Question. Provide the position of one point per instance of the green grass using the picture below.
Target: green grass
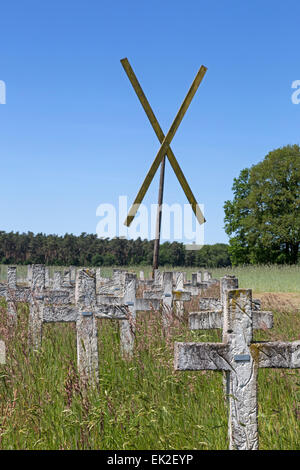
(265, 278)
(272, 278)
(139, 404)
(268, 278)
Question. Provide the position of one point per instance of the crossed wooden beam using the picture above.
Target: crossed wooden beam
(165, 141)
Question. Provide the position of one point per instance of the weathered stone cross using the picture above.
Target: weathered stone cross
(2, 352)
(211, 310)
(240, 358)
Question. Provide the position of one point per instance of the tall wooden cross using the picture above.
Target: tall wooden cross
(165, 150)
(240, 358)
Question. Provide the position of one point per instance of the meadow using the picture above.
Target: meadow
(143, 403)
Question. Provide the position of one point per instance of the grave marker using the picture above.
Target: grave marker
(240, 358)
(2, 352)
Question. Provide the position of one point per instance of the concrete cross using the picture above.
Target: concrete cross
(84, 313)
(168, 296)
(211, 310)
(212, 315)
(240, 358)
(70, 276)
(178, 283)
(2, 352)
(197, 285)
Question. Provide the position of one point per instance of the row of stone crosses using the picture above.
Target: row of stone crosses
(83, 295)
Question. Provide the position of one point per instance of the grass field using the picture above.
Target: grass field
(143, 403)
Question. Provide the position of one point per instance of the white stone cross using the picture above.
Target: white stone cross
(134, 304)
(240, 358)
(168, 296)
(84, 313)
(64, 303)
(216, 303)
(197, 285)
(13, 293)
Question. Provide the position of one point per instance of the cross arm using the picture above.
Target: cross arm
(210, 304)
(201, 356)
(108, 299)
(278, 354)
(59, 296)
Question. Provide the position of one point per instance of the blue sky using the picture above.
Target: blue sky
(73, 134)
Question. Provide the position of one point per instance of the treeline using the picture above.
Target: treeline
(88, 250)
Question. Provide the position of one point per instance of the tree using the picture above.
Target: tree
(263, 219)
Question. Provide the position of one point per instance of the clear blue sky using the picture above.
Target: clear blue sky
(73, 134)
